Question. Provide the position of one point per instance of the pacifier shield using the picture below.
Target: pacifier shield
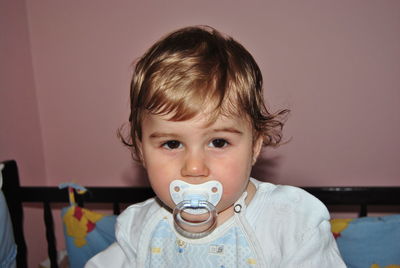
(210, 191)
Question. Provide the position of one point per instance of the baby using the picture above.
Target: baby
(198, 123)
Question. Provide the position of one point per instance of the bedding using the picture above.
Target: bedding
(371, 242)
(8, 248)
(86, 233)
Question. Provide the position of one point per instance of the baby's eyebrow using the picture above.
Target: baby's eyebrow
(157, 135)
(228, 129)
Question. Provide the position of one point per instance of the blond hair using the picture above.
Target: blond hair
(197, 67)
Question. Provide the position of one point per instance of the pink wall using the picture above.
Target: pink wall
(20, 128)
(335, 64)
(20, 135)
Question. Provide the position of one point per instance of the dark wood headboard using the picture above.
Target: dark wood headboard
(17, 195)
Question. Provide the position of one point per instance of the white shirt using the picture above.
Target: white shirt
(284, 225)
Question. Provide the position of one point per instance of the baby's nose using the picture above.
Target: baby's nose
(195, 166)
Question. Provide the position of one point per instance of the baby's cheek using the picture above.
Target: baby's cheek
(161, 172)
(235, 172)
(160, 178)
(234, 180)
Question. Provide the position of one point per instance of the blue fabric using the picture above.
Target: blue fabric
(230, 250)
(96, 240)
(8, 248)
(371, 240)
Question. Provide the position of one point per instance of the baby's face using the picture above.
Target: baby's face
(195, 152)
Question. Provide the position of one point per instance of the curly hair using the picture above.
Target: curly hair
(198, 69)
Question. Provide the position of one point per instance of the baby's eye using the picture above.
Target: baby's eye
(171, 145)
(219, 143)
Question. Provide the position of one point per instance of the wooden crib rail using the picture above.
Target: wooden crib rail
(357, 196)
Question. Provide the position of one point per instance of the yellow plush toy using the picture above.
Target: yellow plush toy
(78, 221)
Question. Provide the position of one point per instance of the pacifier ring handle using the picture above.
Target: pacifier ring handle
(187, 205)
(180, 222)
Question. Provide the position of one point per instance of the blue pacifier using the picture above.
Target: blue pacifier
(195, 199)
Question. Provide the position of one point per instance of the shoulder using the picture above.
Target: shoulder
(296, 221)
(292, 203)
(138, 211)
(128, 230)
(132, 218)
(131, 224)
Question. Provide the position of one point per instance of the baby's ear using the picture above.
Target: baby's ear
(257, 146)
(139, 153)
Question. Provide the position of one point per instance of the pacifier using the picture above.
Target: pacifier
(195, 200)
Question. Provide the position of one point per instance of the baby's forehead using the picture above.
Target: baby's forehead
(204, 119)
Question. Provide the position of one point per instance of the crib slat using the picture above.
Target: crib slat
(363, 210)
(51, 239)
(116, 208)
